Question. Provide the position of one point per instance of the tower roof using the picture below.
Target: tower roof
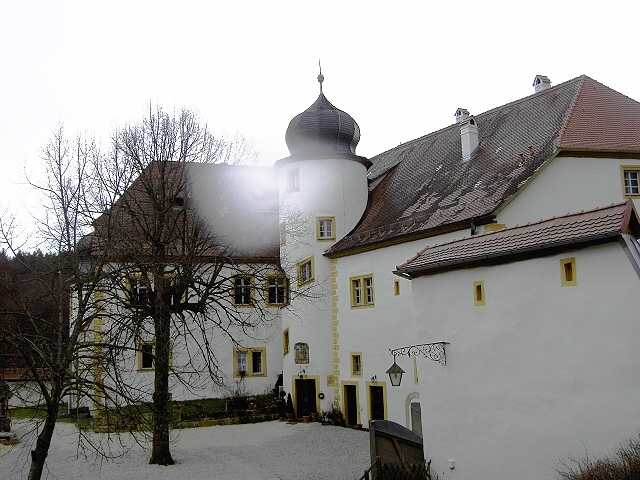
(323, 131)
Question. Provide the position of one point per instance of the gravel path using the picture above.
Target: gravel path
(261, 451)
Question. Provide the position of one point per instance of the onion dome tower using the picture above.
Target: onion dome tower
(322, 195)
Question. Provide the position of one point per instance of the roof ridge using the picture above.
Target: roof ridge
(516, 227)
(569, 112)
(508, 104)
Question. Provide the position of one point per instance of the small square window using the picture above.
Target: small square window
(568, 272)
(362, 291)
(356, 365)
(478, 293)
(631, 179)
(326, 228)
(305, 271)
(293, 180)
(242, 294)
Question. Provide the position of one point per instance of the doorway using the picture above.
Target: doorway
(305, 397)
(351, 404)
(376, 402)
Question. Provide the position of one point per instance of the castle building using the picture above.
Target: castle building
(508, 238)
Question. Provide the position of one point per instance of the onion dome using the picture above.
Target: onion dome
(323, 131)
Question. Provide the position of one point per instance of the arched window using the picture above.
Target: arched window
(302, 353)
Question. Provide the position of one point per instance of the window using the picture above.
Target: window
(302, 353)
(631, 180)
(277, 290)
(362, 291)
(285, 342)
(139, 291)
(176, 295)
(396, 287)
(326, 228)
(478, 293)
(568, 272)
(146, 356)
(293, 180)
(305, 271)
(242, 290)
(250, 362)
(356, 364)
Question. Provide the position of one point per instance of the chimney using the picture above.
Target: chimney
(541, 83)
(469, 138)
(462, 114)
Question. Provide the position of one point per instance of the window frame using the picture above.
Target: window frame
(623, 170)
(363, 301)
(251, 287)
(396, 288)
(563, 272)
(250, 351)
(267, 287)
(295, 354)
(140, 356)
(319, 221)
(312, 277)
(285, 342)
(354, 372)
(482, 299)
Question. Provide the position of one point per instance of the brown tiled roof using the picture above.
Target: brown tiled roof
(557, 233)
(422, 187)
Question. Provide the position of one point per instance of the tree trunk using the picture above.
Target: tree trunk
(160, 454)
(39, 454)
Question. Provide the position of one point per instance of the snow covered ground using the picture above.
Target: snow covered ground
(261, 451)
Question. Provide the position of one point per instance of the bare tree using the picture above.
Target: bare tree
(182, 280)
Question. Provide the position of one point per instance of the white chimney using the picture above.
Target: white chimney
(462, 114)
(469, 138)
(541, 83)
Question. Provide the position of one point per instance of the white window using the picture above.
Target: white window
(326, 228)
(241, 363)
(631, 182)
(305, 271)
(242, 290)
(277, 290)
(293, 180)
(362, 291)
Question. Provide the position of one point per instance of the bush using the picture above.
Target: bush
(623, 465)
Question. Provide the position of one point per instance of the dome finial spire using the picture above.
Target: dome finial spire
(320, 76)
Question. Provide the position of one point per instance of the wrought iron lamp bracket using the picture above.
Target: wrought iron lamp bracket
(435, 351)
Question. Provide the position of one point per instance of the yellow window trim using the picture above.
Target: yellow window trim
(285, 341)
(632, 168)
(270, 277)
(333, 228)
(363, 296)
(344, 398)
(479, 294)
(251, 291)
(313, 271)
(249, 351)
(571, 263)
(396, 287)
(139, 356)
(353, 371)
(384, 397)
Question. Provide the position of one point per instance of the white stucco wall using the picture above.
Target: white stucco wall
(539, 374)
(565, 185)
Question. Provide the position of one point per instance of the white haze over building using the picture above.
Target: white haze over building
(401, 69)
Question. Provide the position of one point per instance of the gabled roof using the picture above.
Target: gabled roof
(422, 188)
(543, 237)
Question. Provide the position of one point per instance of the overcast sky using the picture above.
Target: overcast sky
(399, 68)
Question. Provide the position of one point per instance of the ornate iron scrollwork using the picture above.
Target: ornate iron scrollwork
(435, 351)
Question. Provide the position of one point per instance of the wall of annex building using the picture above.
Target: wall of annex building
(538, 374)
(329, 188)
(187, 358)
(566, 185)
(389, 323)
